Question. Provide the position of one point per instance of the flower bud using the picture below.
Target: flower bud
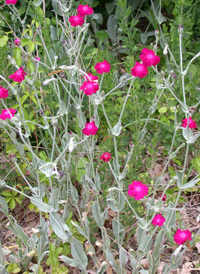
(54, 122)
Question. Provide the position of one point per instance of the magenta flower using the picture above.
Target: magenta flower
(164, 198)
(158, 220)
(89, 87)
(76, 20)
(139, 70)
(6, 115)
(37, 58)
(149, 58)
(90, 129)
(192, 123)
(102, 67)
(3, 92)
(181, 237)
(11, 2)
(92, 77)
(105, 157)
(17, 42)
(137, 190)
(84, 10)
(18, 76)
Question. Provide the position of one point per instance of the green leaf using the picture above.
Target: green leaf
(30, 66)
(12, 204)
(102, 35)
(162, 110)
(31, 46)
(3, 40)
(17, 53)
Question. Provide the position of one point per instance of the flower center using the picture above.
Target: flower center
(89, 86)
(183, 235)
(102, 66)
(137, 189)
(149, 56)
(139, 68)
(76, 18)
(85, 8)
(19, 72)
(89, 126)
(106, 155)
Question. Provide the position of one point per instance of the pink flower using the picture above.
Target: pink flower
(181, 237)
(76, 20)
(137, 190)
(192, 123)
(89, 87)
(92, 77)
(11, 2)
(164, 198)
(3, 92)
(84, 10)
(105, 157)
(149, 58)
(102, 67)
(139, 70)
(6, 115)
(158, 220)
(18, 76)
(37, 58)
(90, 129)
(17, 42)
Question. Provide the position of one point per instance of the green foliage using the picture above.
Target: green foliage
(13, 268)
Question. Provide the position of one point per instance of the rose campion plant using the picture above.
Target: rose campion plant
(6, 115)
(105, 157)
(84, 10)
(181, 236)
(17, 42)
(91, 77)
(8, 2)
(89, 87)
(18, 76)
(76, 20)
(137, 190)
(3, 92)
(192, 123)
(102, 67)
(139, 70)
(158, 220)
(90, 129)
(149, 58)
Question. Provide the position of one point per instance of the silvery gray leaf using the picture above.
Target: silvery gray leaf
(78, 252)
(4, 206)
(158, 243)
(37, 201)
(72, 262)
(60, 227)
(190, 184)
(2, 183)
(117, 129)
(187, 133)
(18, 231)
(103, 268)
(112, 261)
(118, 230)
(123, 258)
(80, 230)
(123, 80)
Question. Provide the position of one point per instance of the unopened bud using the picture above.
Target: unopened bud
(54, 122)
